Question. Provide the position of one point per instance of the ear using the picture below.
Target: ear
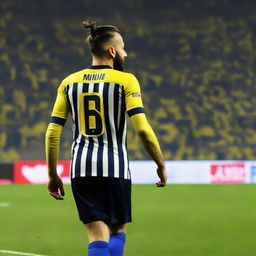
(111, 51)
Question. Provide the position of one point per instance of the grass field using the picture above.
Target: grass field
(179, 220)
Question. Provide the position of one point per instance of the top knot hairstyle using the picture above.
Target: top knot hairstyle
(99, 36)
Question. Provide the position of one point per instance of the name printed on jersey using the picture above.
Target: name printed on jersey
(94, 77)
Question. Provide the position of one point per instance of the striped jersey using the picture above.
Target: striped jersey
(97, 99)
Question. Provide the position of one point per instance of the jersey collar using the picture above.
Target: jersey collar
(100, 67)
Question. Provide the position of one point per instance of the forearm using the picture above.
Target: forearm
(148, 138)
(52, 142)
(151, 145)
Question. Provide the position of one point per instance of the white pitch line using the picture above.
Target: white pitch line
(4, 204)
(20, 253)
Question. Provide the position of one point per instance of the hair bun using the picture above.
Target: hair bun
(91, 25)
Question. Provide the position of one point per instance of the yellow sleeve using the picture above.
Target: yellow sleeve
(53, 133)
(52, 144)
(139, 121)
(141, 125)
(60, 109)
(133, 99)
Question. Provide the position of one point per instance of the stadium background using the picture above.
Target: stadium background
(195, 60)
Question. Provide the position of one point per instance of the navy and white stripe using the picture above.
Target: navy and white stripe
(105, 155)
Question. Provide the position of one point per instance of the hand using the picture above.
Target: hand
(162, 174)
(55, 188)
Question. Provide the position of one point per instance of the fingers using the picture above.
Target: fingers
(61, 190)
(160, 184)
(55, 188)
(56, 195)
(162, 174)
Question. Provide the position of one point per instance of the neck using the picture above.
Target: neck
(103, 61)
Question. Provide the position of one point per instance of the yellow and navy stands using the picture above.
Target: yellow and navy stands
(195, 61)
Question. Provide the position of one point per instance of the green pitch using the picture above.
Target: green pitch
(179, 220)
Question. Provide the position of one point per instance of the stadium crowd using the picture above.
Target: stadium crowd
(195, 61)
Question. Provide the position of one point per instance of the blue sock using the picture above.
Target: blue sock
(116, 244)
(98, 248)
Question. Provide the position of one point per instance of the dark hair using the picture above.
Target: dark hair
(98, 36)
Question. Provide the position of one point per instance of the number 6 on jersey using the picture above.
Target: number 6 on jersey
(91, 114)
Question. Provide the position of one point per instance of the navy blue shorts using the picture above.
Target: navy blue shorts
(102, 198)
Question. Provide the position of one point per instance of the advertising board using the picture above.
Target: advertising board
(35, 172)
